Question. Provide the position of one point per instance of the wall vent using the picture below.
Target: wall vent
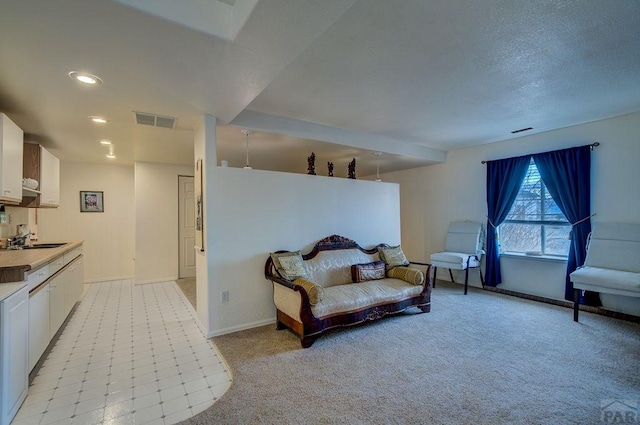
(145, 118)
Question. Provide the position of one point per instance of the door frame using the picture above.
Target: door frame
(180, 227)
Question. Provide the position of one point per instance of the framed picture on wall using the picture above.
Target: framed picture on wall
(91, 201)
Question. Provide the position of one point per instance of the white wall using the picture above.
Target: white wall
(156, 216)
(433, 196)
(108, 236)
(204, 148)
(15, 216)
(257, 212)
(250, 213)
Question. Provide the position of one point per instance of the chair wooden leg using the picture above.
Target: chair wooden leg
(576, 304)
(451, 275)
(435, 277)
(466, 279)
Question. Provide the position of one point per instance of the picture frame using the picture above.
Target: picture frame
(91, 201)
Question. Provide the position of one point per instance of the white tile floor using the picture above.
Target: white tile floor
(131, 354)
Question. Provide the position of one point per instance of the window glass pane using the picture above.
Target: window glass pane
(534, 205)
(552, 211)
(528, 203)
(557, 240)
(520, 237)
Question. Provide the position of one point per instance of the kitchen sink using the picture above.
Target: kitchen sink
(44, 245)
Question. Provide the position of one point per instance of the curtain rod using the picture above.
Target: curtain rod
(592, 145)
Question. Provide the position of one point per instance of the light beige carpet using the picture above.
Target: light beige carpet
(188, 287)
(484, 358)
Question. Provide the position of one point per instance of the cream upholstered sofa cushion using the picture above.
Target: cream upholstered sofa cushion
(357, 296)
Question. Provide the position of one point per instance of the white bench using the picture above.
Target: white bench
(613, 262)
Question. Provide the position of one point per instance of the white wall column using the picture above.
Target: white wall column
(205, 149)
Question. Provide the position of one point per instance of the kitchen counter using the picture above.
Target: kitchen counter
(14, 263)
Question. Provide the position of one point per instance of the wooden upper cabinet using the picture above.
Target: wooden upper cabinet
(11, 140)
(39, 164)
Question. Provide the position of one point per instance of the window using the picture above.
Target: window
(535, 224)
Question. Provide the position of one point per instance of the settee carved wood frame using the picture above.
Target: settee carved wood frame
(312, 327)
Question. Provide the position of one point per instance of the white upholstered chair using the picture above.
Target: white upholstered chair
(462, 250)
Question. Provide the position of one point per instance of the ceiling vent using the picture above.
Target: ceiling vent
(145, 118)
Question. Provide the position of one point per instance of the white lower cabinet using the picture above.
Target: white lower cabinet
(14, 352)
(57, 312)
(74, 280)
(38, 323)
(52, 301)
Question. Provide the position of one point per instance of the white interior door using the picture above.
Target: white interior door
(187, 227)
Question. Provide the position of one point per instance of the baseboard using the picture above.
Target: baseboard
(242, 327)
(109, 279)
(564, 303)
(158, 280)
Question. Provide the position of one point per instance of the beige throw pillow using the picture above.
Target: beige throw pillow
(289, 264)
(393, 256)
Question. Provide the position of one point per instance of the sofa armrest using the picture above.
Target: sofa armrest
(271, 274)
(427, 275)
(284, 282)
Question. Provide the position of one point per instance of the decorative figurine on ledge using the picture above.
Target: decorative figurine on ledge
(352, 169)
(330, 168)
(311, 167)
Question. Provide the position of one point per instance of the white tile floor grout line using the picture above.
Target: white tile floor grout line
(129, 354)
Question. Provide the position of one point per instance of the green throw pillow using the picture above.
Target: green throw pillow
(289, 265)
(393, 256)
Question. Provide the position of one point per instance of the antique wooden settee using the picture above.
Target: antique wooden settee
(327, 297)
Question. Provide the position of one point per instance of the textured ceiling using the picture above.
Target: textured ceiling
(342, 78)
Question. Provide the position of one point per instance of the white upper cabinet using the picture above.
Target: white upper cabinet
(11, 141)
(49, 179)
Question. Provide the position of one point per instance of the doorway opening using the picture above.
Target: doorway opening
(187, 238)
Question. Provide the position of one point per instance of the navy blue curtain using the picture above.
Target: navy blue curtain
(504, 178)
(567, 175)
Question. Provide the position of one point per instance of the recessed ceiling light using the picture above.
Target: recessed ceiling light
(98, 120)
(105, 142)
(85, 77)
